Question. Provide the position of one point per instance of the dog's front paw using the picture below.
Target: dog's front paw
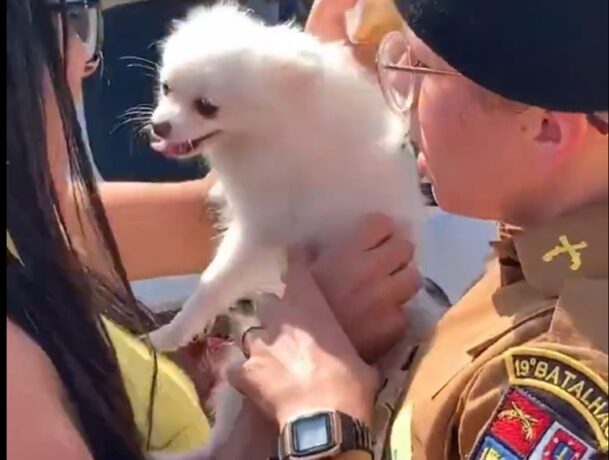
(169, 338)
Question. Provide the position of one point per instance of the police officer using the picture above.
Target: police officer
(510, 101)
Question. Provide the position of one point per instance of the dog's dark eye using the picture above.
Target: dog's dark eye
(206, 108)
(165, 88)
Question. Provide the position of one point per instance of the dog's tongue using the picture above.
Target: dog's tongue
(169, 148)
(175, 149)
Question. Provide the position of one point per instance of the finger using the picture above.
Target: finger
(239, 376)
(253, 340)
(272, 312)
(374, 229)
(327, 19)
(406, 284)
(391, 256)
(379, 298)
(387, 331)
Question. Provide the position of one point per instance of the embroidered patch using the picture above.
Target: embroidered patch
(523, 427)
(560, 443)
(564, 377)
(491, 449)
(520, 422)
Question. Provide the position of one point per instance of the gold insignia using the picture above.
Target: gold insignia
(527, 421)
(566, 378)
(565, 247)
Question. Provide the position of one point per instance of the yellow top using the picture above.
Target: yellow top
(179, 424)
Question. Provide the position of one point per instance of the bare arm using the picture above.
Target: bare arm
(161, 229)
(38, 426)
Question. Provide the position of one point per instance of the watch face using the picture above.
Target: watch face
(312, 435)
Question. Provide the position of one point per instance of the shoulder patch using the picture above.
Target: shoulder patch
(523, 427)
(565, 378)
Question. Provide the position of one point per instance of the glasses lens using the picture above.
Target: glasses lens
(397, 85)
(84, 21)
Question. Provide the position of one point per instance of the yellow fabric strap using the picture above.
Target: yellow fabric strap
(179, 424)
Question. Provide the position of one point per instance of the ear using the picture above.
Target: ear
(559, 134)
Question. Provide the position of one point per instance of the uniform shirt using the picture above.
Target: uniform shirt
(518, 368)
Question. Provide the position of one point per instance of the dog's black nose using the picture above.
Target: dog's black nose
(161, 129)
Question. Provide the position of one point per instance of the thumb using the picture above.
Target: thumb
(235, 375)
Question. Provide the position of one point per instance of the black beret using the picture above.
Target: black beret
(547, 53)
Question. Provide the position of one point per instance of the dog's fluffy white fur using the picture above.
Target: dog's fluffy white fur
(304, 146)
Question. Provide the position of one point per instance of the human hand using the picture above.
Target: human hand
(327, 19)
(362, 24)
(302, 360)
(327, 22)
(366, 279)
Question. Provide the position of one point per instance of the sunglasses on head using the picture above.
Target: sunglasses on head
(84, 17)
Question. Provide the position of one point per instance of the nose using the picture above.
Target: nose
(162, 129)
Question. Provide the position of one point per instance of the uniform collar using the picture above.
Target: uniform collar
(547, 255)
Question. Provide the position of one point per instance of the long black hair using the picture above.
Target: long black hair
(53, 294)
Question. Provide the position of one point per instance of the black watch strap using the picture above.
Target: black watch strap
(351, 435)
(356, 435)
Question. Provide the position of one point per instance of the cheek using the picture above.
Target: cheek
(77, 62)
(445, 123)
(465, 147)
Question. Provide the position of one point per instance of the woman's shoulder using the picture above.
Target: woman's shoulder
(37, 419)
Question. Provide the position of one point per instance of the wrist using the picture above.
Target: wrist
(358, 408)
(356, 401)
(325, 434)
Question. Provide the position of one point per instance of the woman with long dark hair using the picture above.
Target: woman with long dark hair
(67, 288)
(68, 294)
(57, 294)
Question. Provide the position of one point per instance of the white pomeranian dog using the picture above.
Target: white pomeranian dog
(304, 146)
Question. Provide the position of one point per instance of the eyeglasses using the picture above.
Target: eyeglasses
(399, 74)
(85, 18)
(400, 77)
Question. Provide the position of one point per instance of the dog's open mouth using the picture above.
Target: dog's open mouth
(179, 149)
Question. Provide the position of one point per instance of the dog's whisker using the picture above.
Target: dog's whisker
(153, 75)
(141, 107)
(155, 43)
(129, 121)
(140, 59)
(135, 117)
(138, 112)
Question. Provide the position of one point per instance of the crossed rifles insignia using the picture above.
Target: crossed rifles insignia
(527, 422)
(567, 248)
